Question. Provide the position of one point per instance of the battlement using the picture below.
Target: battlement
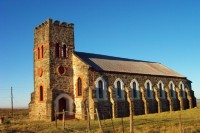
(55, 23)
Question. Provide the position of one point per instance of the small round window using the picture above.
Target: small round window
(61, 70)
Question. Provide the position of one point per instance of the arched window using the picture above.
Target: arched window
(42, 52)
(64, 51)
(79, 87)
(100, 89)
(148, 87)
(57, 50)
(38, 53)
(182, 90)
(160, 86)
(160, 90)
(148, 90)
(172, 89)
(135, 89)
(41, 93)
(119, 89)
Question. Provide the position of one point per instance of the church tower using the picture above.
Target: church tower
(53, 72)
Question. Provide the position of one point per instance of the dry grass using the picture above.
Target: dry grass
(187, 121)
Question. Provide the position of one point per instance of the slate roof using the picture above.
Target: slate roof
(123, 65)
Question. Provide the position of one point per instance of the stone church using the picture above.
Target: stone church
(65, 79)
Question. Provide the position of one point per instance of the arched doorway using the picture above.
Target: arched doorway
(62, 105)
(64, 102)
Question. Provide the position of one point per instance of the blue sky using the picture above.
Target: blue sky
(165, 31)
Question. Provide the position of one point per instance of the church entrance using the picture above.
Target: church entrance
(62, 105)
(64, 102)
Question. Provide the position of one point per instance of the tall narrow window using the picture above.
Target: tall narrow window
(38, 53)
(134, 90)
(100, 89)
(41, 94)
(79, 87)
(160, 90)
(42, 52)
(57, 50)
(148, 90)
(119, 89)
(172, 90)
(182, 91)
(64, 51)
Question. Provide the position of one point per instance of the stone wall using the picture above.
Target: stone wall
(80, 71)
(142, 105)
(38, 108)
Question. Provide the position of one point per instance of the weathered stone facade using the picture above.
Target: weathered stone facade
(56, 72)
(63, 80)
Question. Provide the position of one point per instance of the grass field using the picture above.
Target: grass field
(187, 121)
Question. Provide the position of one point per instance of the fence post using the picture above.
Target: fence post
(88, 120)
(99, 120)
(112, 123)
(131, 121)
(56, 118)
(122, 124)
(131, 107)
(63, 119)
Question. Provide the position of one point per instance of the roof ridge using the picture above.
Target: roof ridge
(101, 56)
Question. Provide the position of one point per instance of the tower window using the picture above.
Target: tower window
(79, 87)
(41, 93)
(64, 51)
(61, 70)
(42, 52)
(57, 50)
(100, 89)
(38, 53)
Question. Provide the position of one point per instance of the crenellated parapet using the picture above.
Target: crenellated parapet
(55, 23)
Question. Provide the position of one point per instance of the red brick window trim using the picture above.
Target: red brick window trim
(38, 53)
(42, 51)
(61, 51)
(79, 87)
(41, 94)
(61, 70)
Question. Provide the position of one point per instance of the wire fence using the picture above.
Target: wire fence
(104, 125)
